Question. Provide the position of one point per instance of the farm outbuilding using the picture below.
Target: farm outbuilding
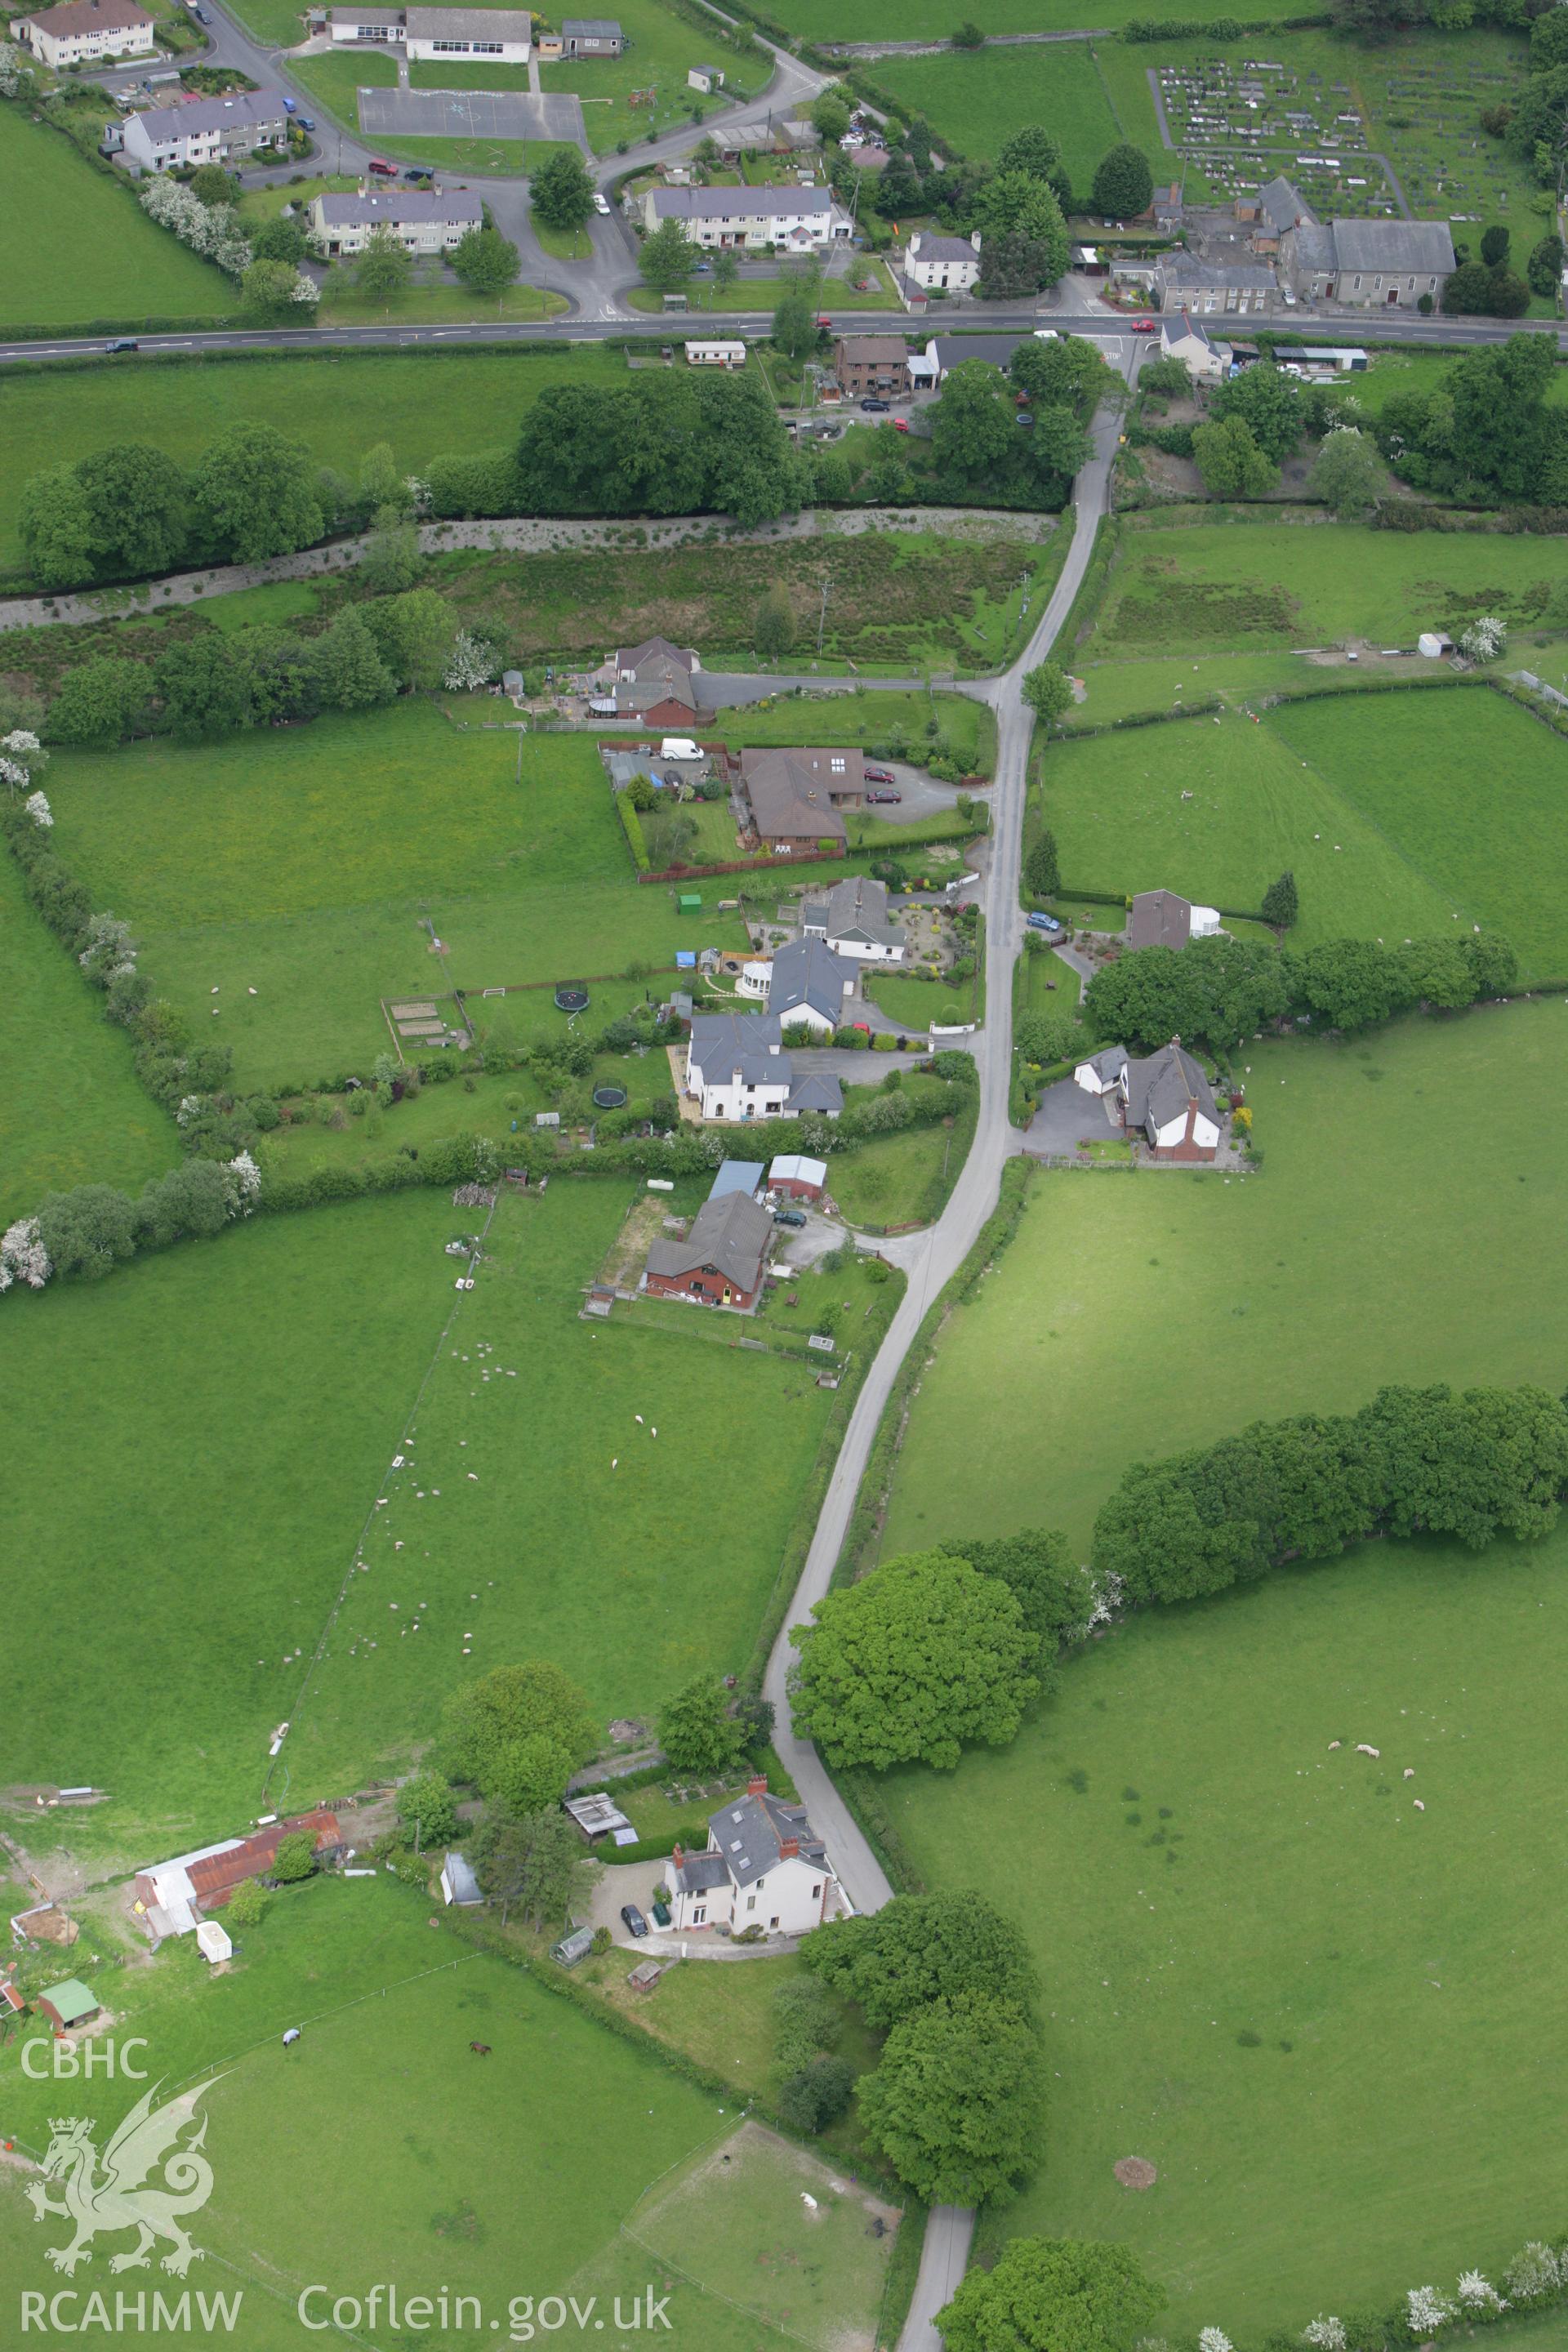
(458, 1884)
(598, 1816)
(213, 1941)
(69, 2005)
(794, 1177)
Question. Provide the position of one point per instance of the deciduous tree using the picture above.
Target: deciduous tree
(1124, 183)
(1230, 462)
(138, 505)
(1052, 2295)
(696, 1730)
(488, 263)
(561, 191)
(1047, 690)
(893, 1963)
(253, 495)
(482, 1718)
(973, 426)
(385, 268)
(1347, 472)
(955, 2103)
(666, 259)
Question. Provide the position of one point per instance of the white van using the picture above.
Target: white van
(679, 747)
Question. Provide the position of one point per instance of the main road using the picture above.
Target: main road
(942, 1252)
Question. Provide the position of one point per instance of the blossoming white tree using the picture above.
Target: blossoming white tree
(1534, 2272)
(470, 664)
(110, 951)
(1477, 2292)
(13, 66)
(37, 807)
(1484, 639)
(306, 290)
(23, 1257)
(1213, 2339)
(1325, 2334)
(244, 1190)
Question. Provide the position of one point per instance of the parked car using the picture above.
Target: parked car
(418, 172)
(871, 406)
(789, 1217)
(601, 202)
(382, 170)
(201, 15)
(124, 344)
(823, 319)
(307, 123)
(1043, 922)
(879, 775)
(635, 1924)
(1143, 327)
(884, 793)
(900, 424)
(291, 106)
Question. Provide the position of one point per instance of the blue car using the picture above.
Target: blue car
(1038, 922)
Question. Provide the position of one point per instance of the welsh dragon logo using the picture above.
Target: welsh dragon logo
(111, 2194)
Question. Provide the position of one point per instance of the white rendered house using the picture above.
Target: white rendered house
(762, 1867)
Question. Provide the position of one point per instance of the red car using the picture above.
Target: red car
(900, 424)
(883, 793)
(1144, 326)
(387, 171)
(879, 775)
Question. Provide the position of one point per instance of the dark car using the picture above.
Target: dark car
(635, 1924)
(125, 343)
(884, 793)
(879, 775)
(306, 122)
(201, 15)
(789, 1217)
(876, 407)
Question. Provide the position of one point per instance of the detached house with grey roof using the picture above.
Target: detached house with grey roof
(853, 920)
(721, 1261)
(737, 1069)
(1164, 1097)
(764, 1866)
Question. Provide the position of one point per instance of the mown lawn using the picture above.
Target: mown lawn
(79, 247)
(71, 1111)
(872, 717)
(1402, 2136)
(763, 293)
(1218, 586)
(424, 403)
(240, 1404)
(430, 301)
(978, 98)
(308, 865)
(662, 45)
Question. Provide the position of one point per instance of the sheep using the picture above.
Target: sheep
(1418, 1805)
(1410, 1771)
(1363, 1749)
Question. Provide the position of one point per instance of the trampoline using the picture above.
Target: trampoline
(572, 1000)
(610, 1097)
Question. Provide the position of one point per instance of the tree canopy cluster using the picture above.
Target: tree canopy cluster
(1213, 993)
(1413, 1462)
(956, 2101)
(675, 443)
(976, 437)
(1485, 433)
(1052, 2295)
(517, 1734)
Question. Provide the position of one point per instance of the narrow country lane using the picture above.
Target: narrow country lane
(950, 2228)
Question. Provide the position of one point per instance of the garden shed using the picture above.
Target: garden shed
(69, 2005)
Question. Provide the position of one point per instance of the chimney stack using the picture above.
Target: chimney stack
(677, 1854)
(788, 1848)
(757, 1786)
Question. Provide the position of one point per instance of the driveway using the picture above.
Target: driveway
(1065, 1115)
(634, 1882)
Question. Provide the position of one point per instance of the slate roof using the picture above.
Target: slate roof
(875, 350)
(662, 678)
(997, 349)
(734, 1236)
(725, 1042)
(924, 246)
(740, 204)
(1108, 1064)
(858, 909)
(80, 17)
(1159, 920)
(736, 1176)
(807, 972)
(1212, 277)
(1192, 328)
(165, 122)
(819, 1091)
(1283, 205)
(632, 657)
(699, 1872)
(591, 28)
(749, 1831)
(1160, 1088)
(414, 206)
(1314, 249)
(1393, 246)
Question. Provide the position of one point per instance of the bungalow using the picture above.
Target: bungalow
(1188, 340)
(872, 363)
(841, 770)
(86, 32)
(736, 1069)
(171, 1895)
(810, 987)
(790, 808)
(802, 220)
(1371, 264)
(794, 1177)
(421, 222)
(498, 36)
(764, 1866)
(1165, 1099)
(591, 36)
(213, 131)
(1161, 919)
(853, 919)
(720, 1262)
(943, 264)
(69, 2005)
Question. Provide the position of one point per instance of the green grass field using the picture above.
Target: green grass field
(884, 20)
(71, 1112)
(1404, 2134)
(662, 45)
(363, 2155)
(245, 1401)
(424, 402)
(305, 862)
(83, 248)
(978, 99)
(1214, 587)
(430, 301)
(870, 288)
